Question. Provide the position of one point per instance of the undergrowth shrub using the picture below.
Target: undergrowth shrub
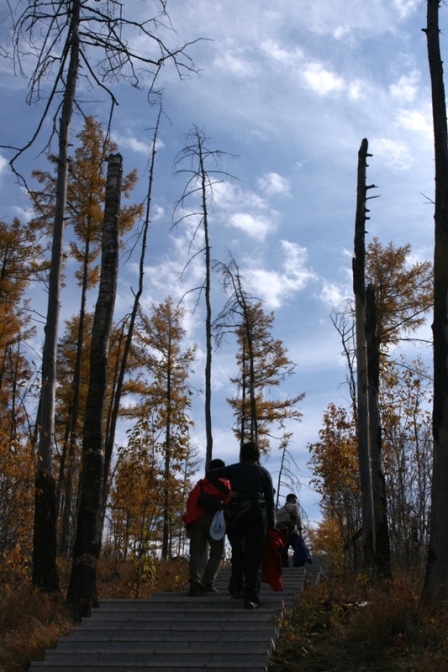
(345, 624)
(30, 622)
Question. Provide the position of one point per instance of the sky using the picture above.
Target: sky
(288, 90)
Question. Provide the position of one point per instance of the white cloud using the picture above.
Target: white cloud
(273, 184)
(406, 7)
(135, 144)
(356, 90)
(281, 56)
(396, 153)
(236, 65)
(3, 164)
(274, 287)
(415, 120)
(333, 295)
(158, 213)
(255, 227)
(296, 273)
(321, 80)
(407, 87)
(232, 197)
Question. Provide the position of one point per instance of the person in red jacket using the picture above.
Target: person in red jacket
(198, 523)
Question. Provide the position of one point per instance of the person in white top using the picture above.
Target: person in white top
(289, 516)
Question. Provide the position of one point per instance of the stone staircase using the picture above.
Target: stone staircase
(172, 632)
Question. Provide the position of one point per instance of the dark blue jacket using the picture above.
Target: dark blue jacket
(251, 481)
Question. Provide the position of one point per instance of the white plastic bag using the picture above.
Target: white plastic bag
(218, 525)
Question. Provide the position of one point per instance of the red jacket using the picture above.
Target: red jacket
(194, 511)
(271, 563)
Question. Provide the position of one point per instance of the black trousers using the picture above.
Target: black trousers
(246, 537)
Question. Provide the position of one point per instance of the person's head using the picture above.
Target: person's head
(216, 464)
(250, 452)
(291, 499)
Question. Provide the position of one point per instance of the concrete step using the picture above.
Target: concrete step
(191, 645)
(173, 632)
(154, 656)
(139, 645)
(180, 666)
(203, 604)
(115, 639)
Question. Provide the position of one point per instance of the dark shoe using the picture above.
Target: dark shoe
(195, 589)
(251, 605)
(209, 589)
(237, 595)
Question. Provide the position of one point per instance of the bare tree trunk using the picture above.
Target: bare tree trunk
(44, 549)
(436, 580)
(82, 587)
(208, 315)
(166, 494)
(382, 543)
(116, 398)
(67, 466)
(362, 394)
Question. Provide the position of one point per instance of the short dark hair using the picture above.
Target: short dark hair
(249, 452)
(291, 497)
(216, 464)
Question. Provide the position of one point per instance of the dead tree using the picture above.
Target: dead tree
(82, 587)
(381, 527)
(436, 580)
(196, 160)
(361, 358)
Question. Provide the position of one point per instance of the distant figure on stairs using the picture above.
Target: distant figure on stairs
(288, 517)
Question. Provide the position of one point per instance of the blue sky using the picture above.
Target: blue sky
(290, 89)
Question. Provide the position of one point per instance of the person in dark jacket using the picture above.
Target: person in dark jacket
(250, 514)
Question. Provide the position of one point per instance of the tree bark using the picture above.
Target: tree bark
(436, 580)
(362, 393)
(122, 365)
(208, 314)
(44, 547)
(381, 528)
(82, 587)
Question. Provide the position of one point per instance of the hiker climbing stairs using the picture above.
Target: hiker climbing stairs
(173, 632)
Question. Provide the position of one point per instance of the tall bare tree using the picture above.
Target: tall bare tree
(237, 314)
(82, 587)
(361, 358)
(194, 160)
(436, 580)
(62, 36)
(118, 387)
(381, 527)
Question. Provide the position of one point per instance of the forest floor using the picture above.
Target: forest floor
(350, 624)
(344, 624)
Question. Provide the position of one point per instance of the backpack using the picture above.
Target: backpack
(285, 519)
(208, 502)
